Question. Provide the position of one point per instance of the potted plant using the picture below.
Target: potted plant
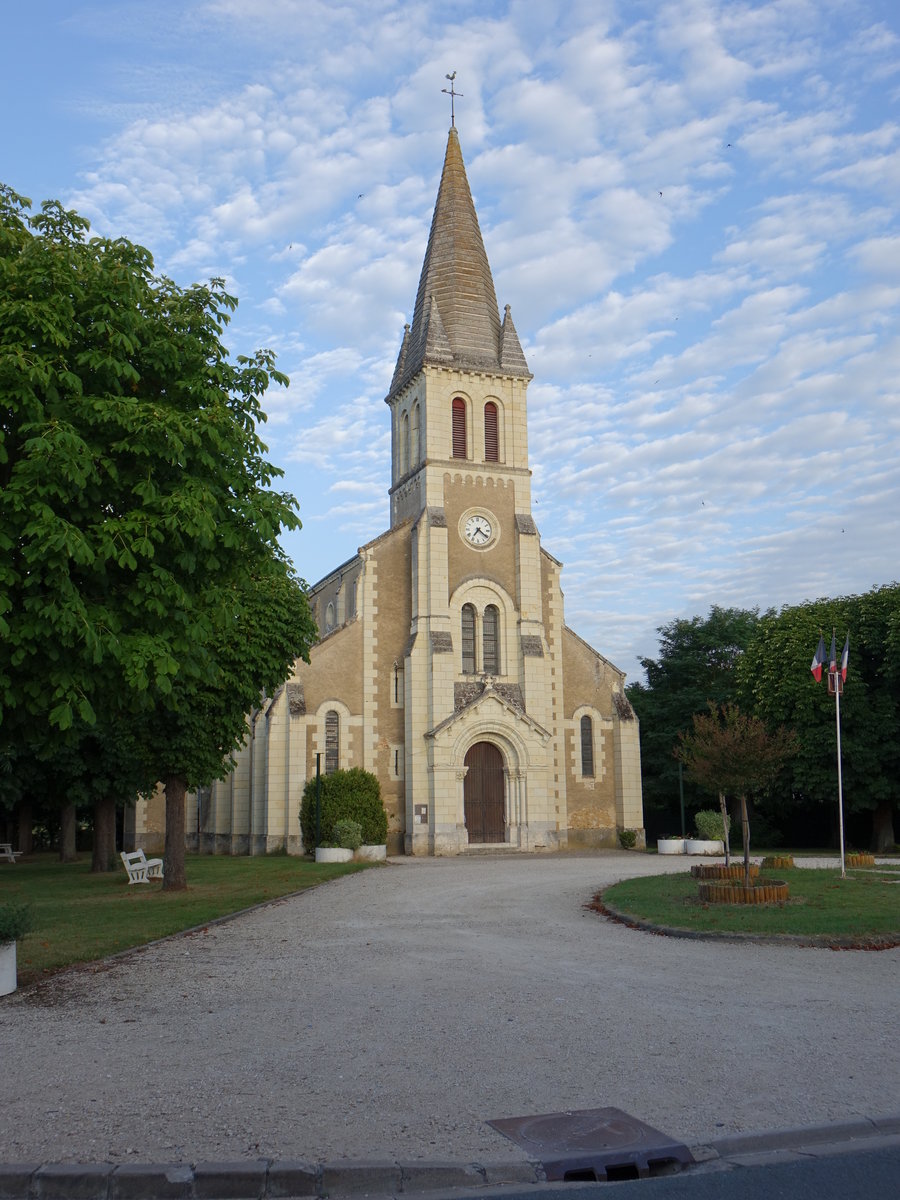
(670, 845)
(345, 795)
(347, 837)
(15, 922)
(710, 837)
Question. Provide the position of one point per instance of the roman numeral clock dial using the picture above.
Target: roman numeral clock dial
(478, 530)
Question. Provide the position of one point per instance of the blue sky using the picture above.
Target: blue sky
(691, 208)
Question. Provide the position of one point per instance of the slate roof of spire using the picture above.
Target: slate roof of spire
(456, 322)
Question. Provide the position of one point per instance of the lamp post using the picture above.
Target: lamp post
(836, 677)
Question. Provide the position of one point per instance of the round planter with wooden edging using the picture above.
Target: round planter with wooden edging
(670, 846)
(720, 871)
(770, 891)
(333, 854)
(860, 860)
(8, 980)
(778, 862)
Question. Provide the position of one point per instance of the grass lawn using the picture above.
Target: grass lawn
(865, 905)
(79, 917)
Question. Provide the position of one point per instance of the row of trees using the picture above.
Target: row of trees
(145, 604)
(760, 663)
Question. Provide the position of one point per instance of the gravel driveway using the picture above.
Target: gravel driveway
(390, 1014)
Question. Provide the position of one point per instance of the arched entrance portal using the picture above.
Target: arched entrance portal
(485, 811)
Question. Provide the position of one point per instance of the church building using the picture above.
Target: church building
(444, 663)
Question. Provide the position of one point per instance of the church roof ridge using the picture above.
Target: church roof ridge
(456, 321)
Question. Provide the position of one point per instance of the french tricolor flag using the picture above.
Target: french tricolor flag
(844, 657)
(818, 660)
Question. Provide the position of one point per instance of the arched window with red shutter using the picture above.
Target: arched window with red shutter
(459, 428)
(491, 433)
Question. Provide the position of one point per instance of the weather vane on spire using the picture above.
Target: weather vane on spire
(452, 94)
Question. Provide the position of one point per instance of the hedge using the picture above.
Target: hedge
(353, 795)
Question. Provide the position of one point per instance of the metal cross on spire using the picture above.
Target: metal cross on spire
(452, 94)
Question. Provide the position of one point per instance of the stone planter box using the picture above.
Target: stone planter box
(670, 846)
(770, 891)
(8, 979)
(720, 871)
(333, 854)
(703, 846)
(371, 853)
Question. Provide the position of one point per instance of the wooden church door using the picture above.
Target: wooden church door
(483, 794)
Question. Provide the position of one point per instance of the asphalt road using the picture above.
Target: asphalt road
(391, 1014)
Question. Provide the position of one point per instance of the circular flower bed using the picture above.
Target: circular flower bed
(720, 871)
(860, 860)
(770, 891)
(778, 861)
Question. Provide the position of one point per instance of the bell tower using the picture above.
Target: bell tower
(458, 394)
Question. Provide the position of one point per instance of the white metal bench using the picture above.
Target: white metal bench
(140, 868)
(7, 852)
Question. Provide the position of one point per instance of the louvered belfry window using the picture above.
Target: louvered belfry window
(491, 433)
(468, 639)
(459, 428)
(332, 741)
(587, 747)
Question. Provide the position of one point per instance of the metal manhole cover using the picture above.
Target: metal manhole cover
(595, 1143)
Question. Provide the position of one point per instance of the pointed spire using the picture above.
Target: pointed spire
(512, 358)
(401, 358)
(456, 321)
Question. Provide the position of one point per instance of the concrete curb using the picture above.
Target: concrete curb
(811, 941)
(280, 1179)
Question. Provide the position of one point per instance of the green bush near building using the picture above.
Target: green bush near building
(353, 795)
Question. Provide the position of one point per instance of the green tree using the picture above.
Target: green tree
(776, 680)
(138, 524)
(696, 665)
(730, 752)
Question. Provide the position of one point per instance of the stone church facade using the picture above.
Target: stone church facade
(444, 664)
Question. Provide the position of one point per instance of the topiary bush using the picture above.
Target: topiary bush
(15, 921)
(627, 838)
(709, 826)
(348, 834)
(353, 795)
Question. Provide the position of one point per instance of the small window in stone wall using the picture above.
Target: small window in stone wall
(329, 618)
(587, 747)
(397, 686)
(332, 741)
(491, 640)
(468, 639)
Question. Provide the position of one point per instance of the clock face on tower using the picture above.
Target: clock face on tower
(478, 530)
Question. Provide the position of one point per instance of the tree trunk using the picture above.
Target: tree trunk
(745, 834)
(104, 846)
(725, 824)
(173, 857)
(882, 827)
(26, 821)
(67, 851)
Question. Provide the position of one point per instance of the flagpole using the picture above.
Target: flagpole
(837, 717)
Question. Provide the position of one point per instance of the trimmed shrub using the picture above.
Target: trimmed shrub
(353, 795)
(627, 838)
(15, 922)
(348, 834)
(708, 824)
